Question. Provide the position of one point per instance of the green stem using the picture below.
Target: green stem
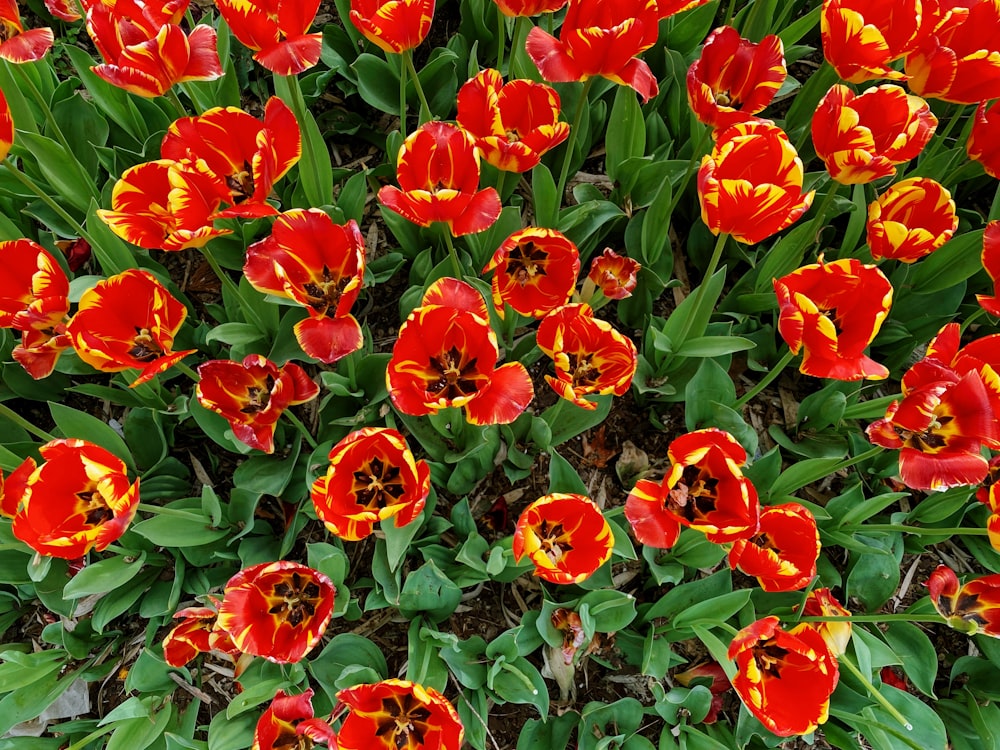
(248, 312)
(501, 39)
(301, 428)
(402, 100)
(456, 265)
(729, 13)
(954, 115)
(879, 698)
(571, 141)
(972, 319)
(92, 736)
(696, 157)
(48, 201)
(44, 106)
(920, 530)
(769, 378)
(188, 371)
(425, 110)
(24, 424)
(172, 97)
(713, 263)
(158, 510)
(315, 180)
(821, 212)
(877, 618)
(517, 40)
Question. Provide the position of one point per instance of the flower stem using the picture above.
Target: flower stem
(922, 530)
(713, 263)
(571, 141)
(48, 201)
(972, 319)
(877, 618)
(425, 110)
(501, 40)
(873, 691)
(769, 378)
(301, 428)
(696, 157)
(24, 424)
(188, 371)
(248, 312)
(402, 99)
(172, 97)
(824, 207)
(456, 265)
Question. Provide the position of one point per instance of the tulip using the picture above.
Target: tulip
(515, 8)
(984, 138)
(862, 37)
(534, 271)
(972, 607)
(393, 25)
(836, 633)
(991, 263)
(565, 536)
(615, 275)
(910, 220)
(277, 31)
(196, 633)
(290, 719)
(394, 714)
(782, 554)
(18, 45)
(6, 127)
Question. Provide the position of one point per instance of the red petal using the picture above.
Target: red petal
(329, 339)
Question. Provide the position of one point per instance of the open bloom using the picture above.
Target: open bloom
(991, 262)
(972, 607)
(289, 724)
(837, 634)
(128, 321)
(989, 495)
(832, 311)
(515, 123)
(446, 355)
(18, 45)
(277, 31)
(862, 37)
(750, 186)
(910, 220)
(393, 25)
(252, 395)
(438, 174)
(615, 275)
(64, 10)
(78, 499)
(372, 476)
(534, 271)
(246, 156)
(861, 137)
(589, 355)
(599, 38)
(34, 299)
(321, 265)
(164, 205)
(705, 490)
(565, 536)
(398, 715)
(277, 610)
(514, 8)
(784, 677)
(959, 59)
(734, 78)
(984, 138)
(782, 554)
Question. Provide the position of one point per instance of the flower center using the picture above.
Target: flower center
(93, 507)
(297, 600)
(585, 373)
(324, 294)
(553, 541)
(770, 658)
(930, 440)
(454, 379)
(403, 720)
(525, 261)
(241, 184)
(694, 495)
(145, 348)
(258, 398)
(378, 485)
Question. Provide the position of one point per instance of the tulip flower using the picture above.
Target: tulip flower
(959, 59)
(667, 8)
(277, 610)
(246, 156)
(910, 220)
(615, 275)
(393, 25)
(782, 554)
(991, 262)
(734, 78)
(277, 32)
(18, 45)
(438, 174)
(128, 321)
(598, 38)
(534, 271)
(34, 299)
(252, 395)
(398, 715)
(290, 719)
(446, 356)
(862, 137)
(705, 490)
(972, 607)
(64, 10)
(165, 205)
(514, 124)
(196, 633)
(989, 495)
(565, 536)
(984, 138)
(6, 127)
(515, 8)
(750, 186)
(372, 477)
(78, 499)
(718, 684)
(590, 356)
(836, 633)
(861, 37)
(784, 677)
(321, 266)
(832, 311)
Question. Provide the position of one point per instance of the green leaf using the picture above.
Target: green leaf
(345, 650)
(141, 732)
(916, 654)
(378, 82)
(112, 100)
(112, 252)
(60, 169)
(172, 531)
(543, 189)
(429, 590)
(563, 477)
(77, 424)
(714, 346)
(611, 610)
(567, 420)
(518, 681)
(951, 264)
(626, 134)
(803, 473)
(104, 576)
(235, 334)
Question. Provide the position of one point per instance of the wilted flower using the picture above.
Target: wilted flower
(393, 25)
(565, 536)
(984, 138)
(910, 220)
(862, 37)
(782, 554)
(398, 714)
(16, 44)
(972, 607)
(836, 633)
(289, 724)
(372, 477)
(832, 311)
(861, 137)
(991, 263)
(734, 78)
(534, 271)
(750, 186)
(78, 499)
(196, 633)
(614, 274)
(514, 124)
(277, 31)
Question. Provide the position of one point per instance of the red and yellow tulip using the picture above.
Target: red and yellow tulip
(971, 607)
(910, 220)
(6, 127)
(398, 715)
(615, 275)
(991, 263)
(290, 724)
(196, 633)
(515, 8)
(534, 271)
(836, 633)
(782, 554)
(393, 25)
(984, 138)
(17, 44)
(862, 37)
(277, 31)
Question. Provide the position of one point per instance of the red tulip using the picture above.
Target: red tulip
(372, 477)
(984, 138)
(718, 683)
(862, 37)
(6, 127)
(784, 677)
(705, 490)
(565, 536)
(599, 38)
(514, 8)
(750, 186)
(393, 25)
(989, 495)
(398, 715)
(128, 321)
(64, 10)
(862, 137)
(277, 32)
(195, 634)
(589, 355)
(991, 262)
(734, 78)
(614, 274)
(832, 311)
(534, 271)
(972, 607)
(910, 220)
(514, 124)
(438, 174)
(321, 266)
(289, 724)
(782, 554)
(667, 8)
(446, 356)
(16, 44)
(836, 633)
(78, 499)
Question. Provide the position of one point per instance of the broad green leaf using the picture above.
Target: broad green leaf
(104, 576)
(77, 424)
